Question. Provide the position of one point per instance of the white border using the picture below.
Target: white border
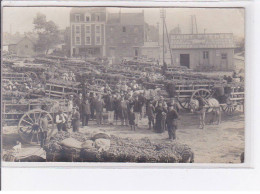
(249, 71)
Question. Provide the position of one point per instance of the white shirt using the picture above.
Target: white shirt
(60, 118)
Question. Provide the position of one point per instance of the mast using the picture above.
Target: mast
(162, 12)
(169, 43)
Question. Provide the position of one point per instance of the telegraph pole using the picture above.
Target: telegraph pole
(162, 14)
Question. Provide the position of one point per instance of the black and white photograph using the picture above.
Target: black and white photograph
(123, 85)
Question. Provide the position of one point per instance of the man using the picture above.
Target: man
(79, 102)
(92, 102)
(150, 113)
(123, 111)
(75, 119)
(142, 101)
(137, 108)
(85, 113)
(44, 129)
(99, 105)
(110, 107)
(61, 119)
(171, 121)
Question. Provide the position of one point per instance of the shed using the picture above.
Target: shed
(25, 47)
(204, 52)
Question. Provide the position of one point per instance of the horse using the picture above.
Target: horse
(204, 106)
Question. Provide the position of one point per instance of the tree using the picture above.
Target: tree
(48, 33)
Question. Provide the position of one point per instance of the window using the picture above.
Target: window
(88, 41)
(97, 29)
(77, 29)
(93, 17)
(77, 17)
(88, 29)
(98, 41)
(205, 54)
(136, 30)
(97, 18)
(77, 40)
(111, 29)
(224, 56)
(87, 17)
(124, 29)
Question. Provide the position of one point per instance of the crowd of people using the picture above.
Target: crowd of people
(123, 109)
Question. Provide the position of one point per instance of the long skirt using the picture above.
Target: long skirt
(158, 124)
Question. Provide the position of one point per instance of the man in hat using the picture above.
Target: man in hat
(99, 105)
(171, 122)
(43, 128)
(75, 119)
(150, 114)
(85, 113)
(137, 108)
(61, 119)
(110, 107)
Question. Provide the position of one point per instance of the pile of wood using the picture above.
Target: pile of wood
(120, 150)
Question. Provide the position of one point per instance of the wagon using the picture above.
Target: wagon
(27, 115)
(230, 100)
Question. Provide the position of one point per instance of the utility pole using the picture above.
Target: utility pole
(162, 14)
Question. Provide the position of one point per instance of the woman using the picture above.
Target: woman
(160, 112)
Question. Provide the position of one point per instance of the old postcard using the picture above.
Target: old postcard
(123, 84)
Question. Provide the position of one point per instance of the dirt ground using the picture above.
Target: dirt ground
(214, 144)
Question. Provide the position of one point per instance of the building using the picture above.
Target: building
(25, 47)
(87, 27)
(124, 35)
(203, 51)
(151, 50)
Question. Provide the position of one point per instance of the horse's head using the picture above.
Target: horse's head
(193, 105)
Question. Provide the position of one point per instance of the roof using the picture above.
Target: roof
(21, 39)
(87, 9)
(192, 41)
(126, 18)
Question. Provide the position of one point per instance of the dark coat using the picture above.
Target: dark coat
(99, 105)
(86, 109)
(137, 105)
(75, 120)
(110, 104)
(171, 117)
(150, 111)
(131, 118)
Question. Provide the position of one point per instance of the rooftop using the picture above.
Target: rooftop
(190, 41)
(87, 9)
(126, 18)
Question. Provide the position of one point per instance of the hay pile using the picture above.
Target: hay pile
(121, 150)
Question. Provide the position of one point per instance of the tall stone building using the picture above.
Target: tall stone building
(97, 33)
(87, 27)
(124, 35)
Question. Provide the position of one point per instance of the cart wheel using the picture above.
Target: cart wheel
(184, 103)
(229, 108)
(29, 126)
(32, 75)
(204, 93)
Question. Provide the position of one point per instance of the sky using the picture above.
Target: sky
(214, 20)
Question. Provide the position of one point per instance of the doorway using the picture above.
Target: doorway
(185, 60)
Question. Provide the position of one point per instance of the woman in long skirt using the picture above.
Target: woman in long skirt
(159, 111)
